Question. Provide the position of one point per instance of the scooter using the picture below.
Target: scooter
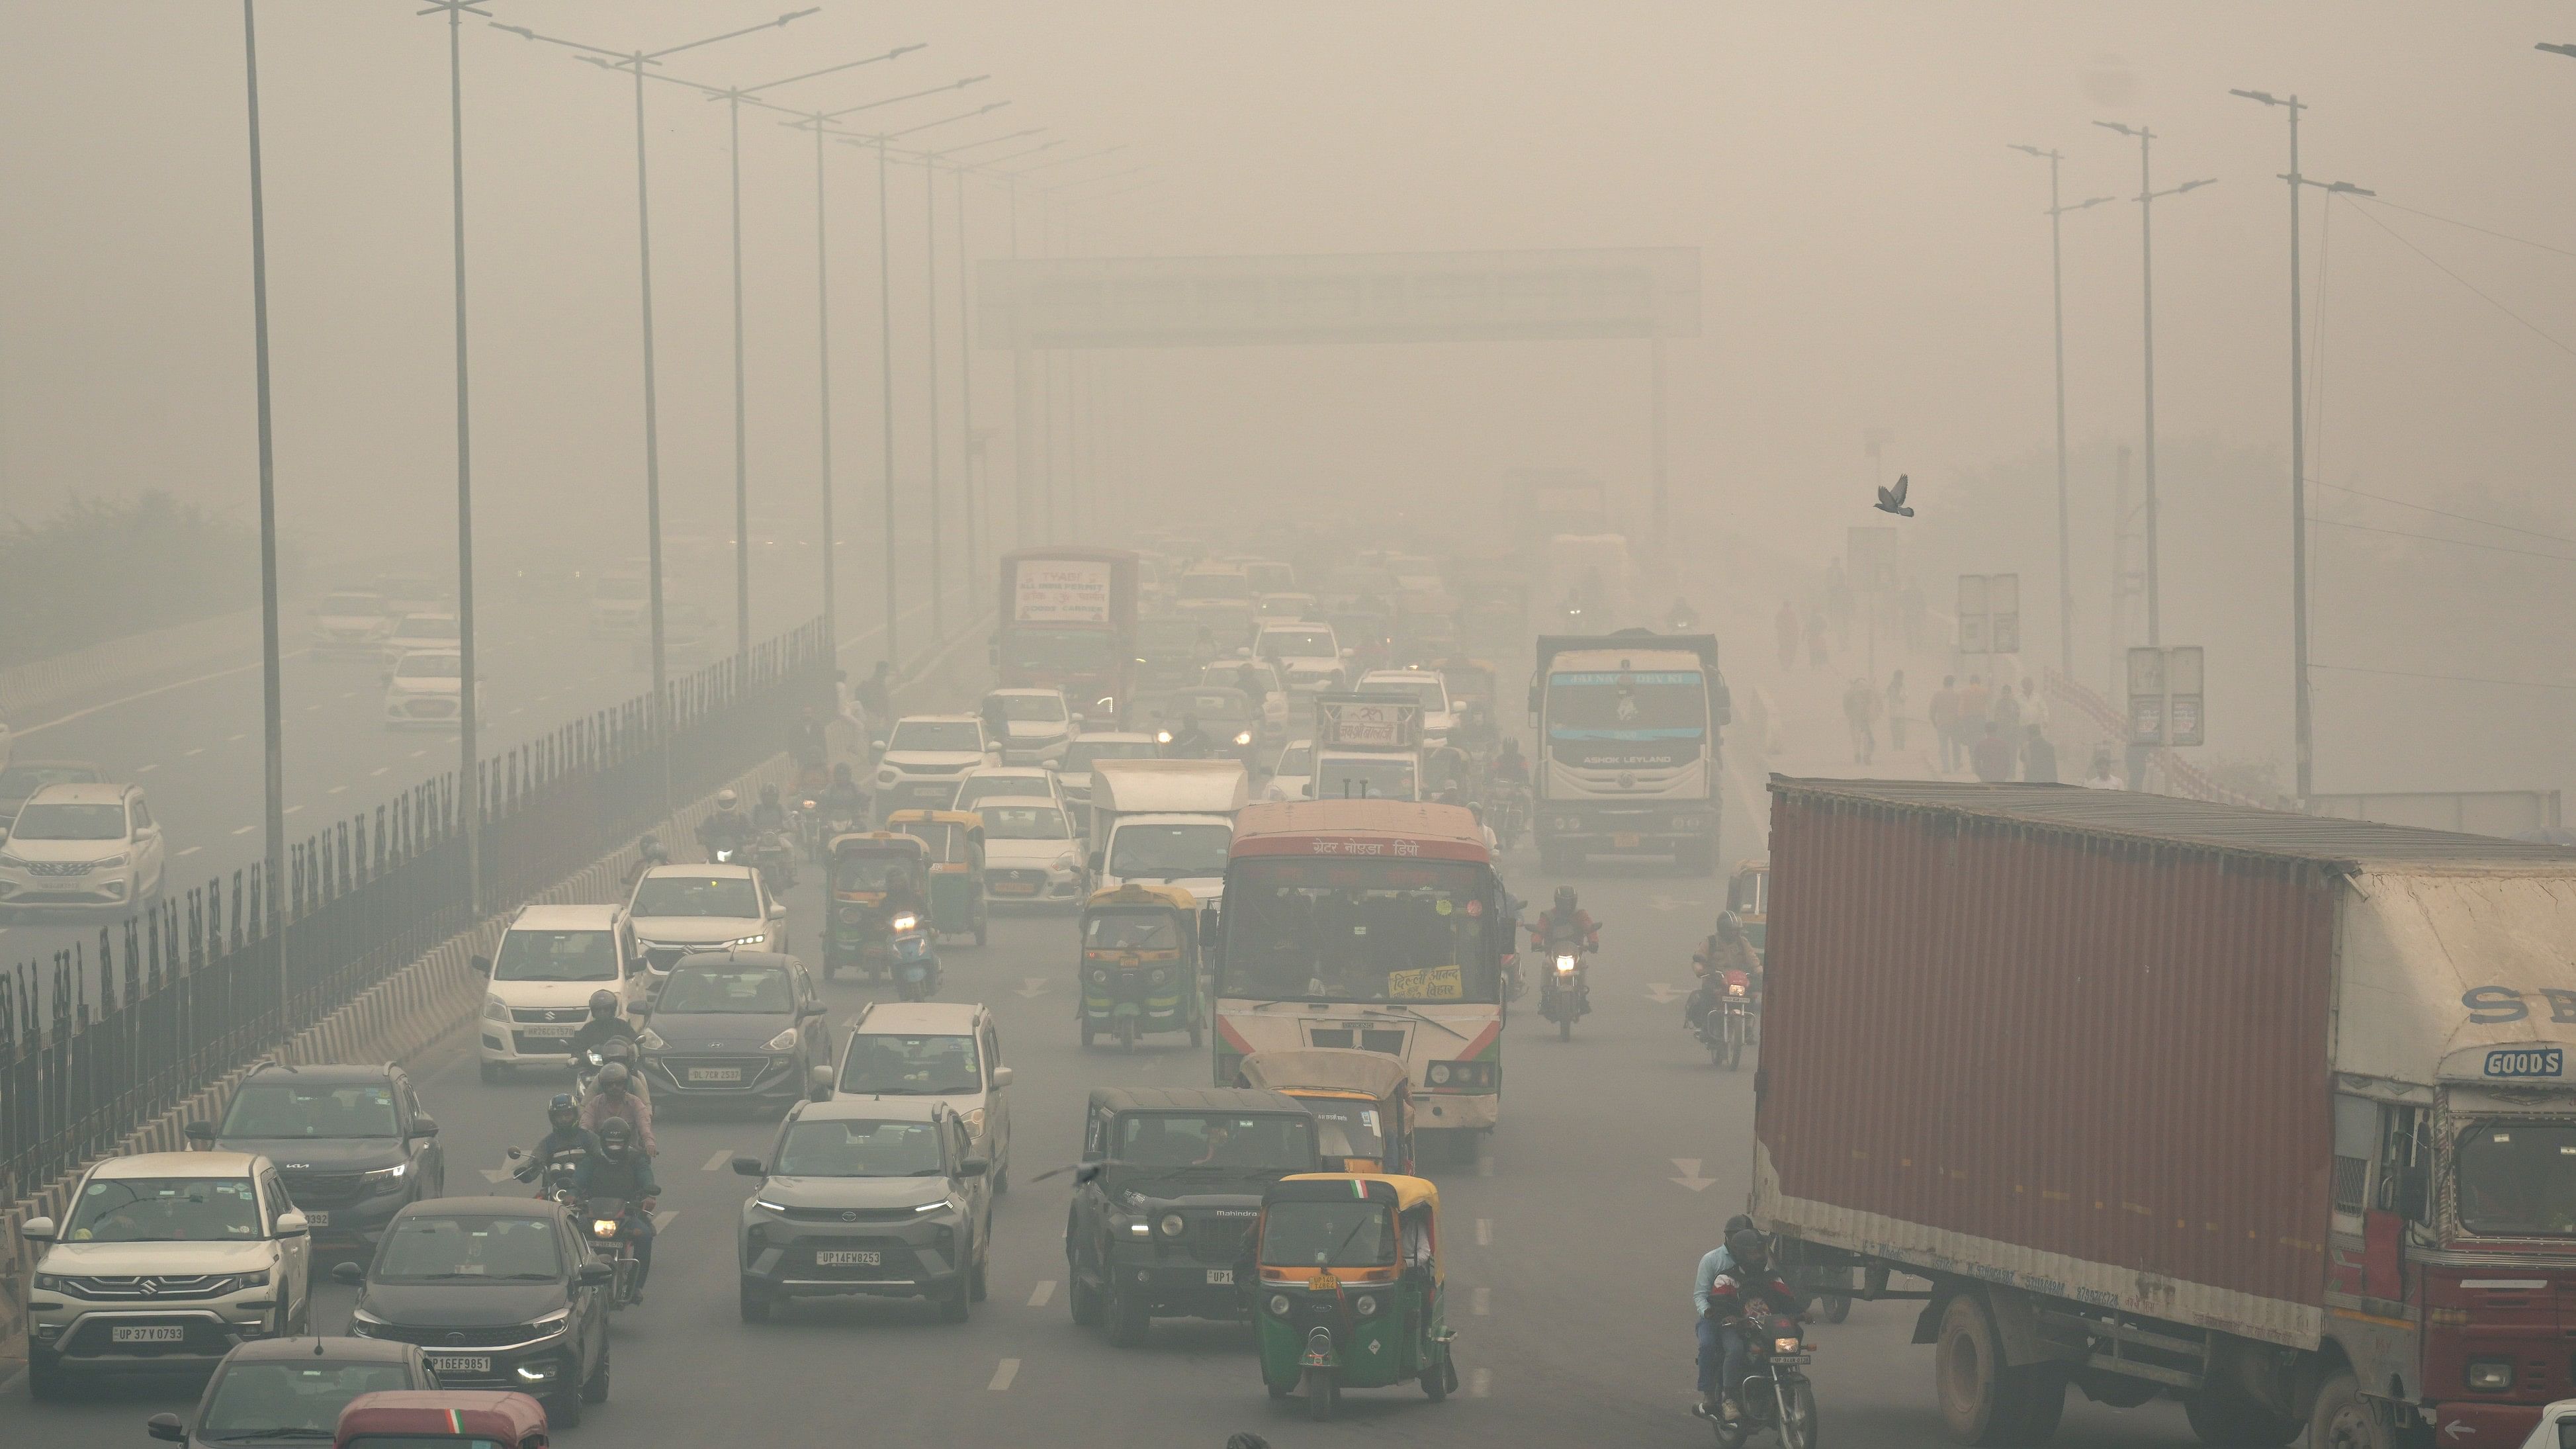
(916, 964)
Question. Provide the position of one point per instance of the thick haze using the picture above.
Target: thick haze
(1872, 257)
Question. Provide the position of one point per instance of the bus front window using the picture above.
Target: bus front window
(1342, 930)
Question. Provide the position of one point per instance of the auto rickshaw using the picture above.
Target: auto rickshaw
(1350, 1291)
(956, 841)
(1362, 1101)
(1748, 894)
(866, 868)
(418, 1418)
(1140, 964)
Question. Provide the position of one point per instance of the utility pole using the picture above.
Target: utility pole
(2057, 302)
(273, 866)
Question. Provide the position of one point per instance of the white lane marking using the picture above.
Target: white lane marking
(1481, 1301)
(1480, 1383)
(312, 709)
(352, 694)
(147, 769)
(1484, 1232)
(191, 850)
(1690, 1177)
(339, 789)
(1045, 1290)
(717, 1162)
(1002, 1376)
(662, 1219)
(1036, 986)
(1665, 993)
(523, 709)
(192, 754)
(147, 694)
(1484, 1154)
(416, 754)
(237, 739)
(245, 830)
(378, 770)
(291, 809)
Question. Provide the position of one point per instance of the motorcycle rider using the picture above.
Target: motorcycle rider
(770, 814)
(649, 852)
(807, 744)
(1726, 1297)
(1508, 767)
(605, 1023)
(614, 1097)
(566, 1142)
(1566, 922)
(1726, 950)
(622, 1172)
(727, 828)
(842, 800)
(1190, 742)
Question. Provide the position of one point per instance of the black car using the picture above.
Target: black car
(499, 1292)
(1170, 1189)
(352, 1143)
(275, 1391)
(734, 1026)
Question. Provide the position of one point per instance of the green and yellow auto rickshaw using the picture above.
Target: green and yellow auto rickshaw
(1140, 964)
(1350, 1288)
(1748, 894)
(956, 842)
(871, 874)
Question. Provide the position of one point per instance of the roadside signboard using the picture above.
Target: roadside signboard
(2146, 696)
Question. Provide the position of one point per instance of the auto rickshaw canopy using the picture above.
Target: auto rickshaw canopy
(1406, 1195)
(908, 852)
(1326, 1069)
(954, 837)
(1141, 893)
(463, 1416)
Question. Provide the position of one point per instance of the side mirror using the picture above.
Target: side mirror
(514, 1154)
(1001, 1076)
(973, 1167)
(748, 1167)
(291, 1224)
(424, 1126)
(37, 1230)
(1050, 766)
(1099, 861)
(593, 1274)
(778, 910)
(353, 1274)
(818, 1084)
(201, 1132)
(481, 965)
(166, 1426)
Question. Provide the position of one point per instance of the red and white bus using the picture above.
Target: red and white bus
(1373, 924)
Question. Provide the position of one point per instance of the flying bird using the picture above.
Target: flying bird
(1892, 500)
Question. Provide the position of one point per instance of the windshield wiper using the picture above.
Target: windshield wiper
(1418, 1016)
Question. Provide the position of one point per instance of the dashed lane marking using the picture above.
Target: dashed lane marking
(146, 769)
(1665, 993)
(378, 770)
(717, 1162)
(147, 694)
(291, 809)
(1002, 1376)
(662, 1219)
(237, 739)
(352, 694)
(416, 754)
(339, 789)
(1045, 1290)
(1481, 1301)
(1484, 1155)
(191, 850)
(1480, 1383)
(245, 830)
(192, 754)
(1484, 1232)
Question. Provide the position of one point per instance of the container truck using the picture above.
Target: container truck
(1628, 747)
(2267, 1113)
(1068, 622)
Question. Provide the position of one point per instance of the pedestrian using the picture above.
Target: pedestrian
(1944, 713)
(1976, 706)
(1816, 639)
(1992, 756)
(2104, 775)
(2007, 716)
(1896, 710)
(1790, 632)
(1860, 707)
(2038, 758)
(2034, 705)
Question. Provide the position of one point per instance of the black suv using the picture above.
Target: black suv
(1170, 1188)
(500, 1292)
(352, 1143)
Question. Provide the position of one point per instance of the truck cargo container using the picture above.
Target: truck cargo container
(2267, 1113)
(1068, 622)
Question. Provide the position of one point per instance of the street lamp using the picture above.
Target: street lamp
(634, 62)
(2057, 303)
(2302, 721)
(272, 866)
(2147, 195)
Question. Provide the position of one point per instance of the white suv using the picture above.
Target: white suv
(166, 1261)
(83, 845)
(925, 756)
(945, 1049)
(543, 974)
(1308, 654)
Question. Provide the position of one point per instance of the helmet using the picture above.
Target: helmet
(650, 848)
(841, 771)
(1565, 898)
(618, 1049)
(1728, 926)
(562, 1111)
(612, 1079)
(1740, 1223)
(769, 794)
(1751, 1254)
(603, 1004)
(614, 1138)
(726, 799)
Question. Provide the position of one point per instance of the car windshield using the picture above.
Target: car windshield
(1024, 822)
(1270, 578)
(428, 666)
(861, 1149)
(1215, 1139)
(1423, 690)
(1232, 676)
(1326, 929)
(298, 1398)
(1347, 1128)
(1045, 708)
(2518, 1180)
(948, 736)
(164, 1210)
(1328, 1234)
(310, 1109)
(1082, 755)
(1297, 644)
(346, 605)
(1345, 777)
(462, 1246)
(419, 628)
(1208, 704)
(1297, 759)
(1058, 648)
(1169, 851)
(695, 895)
(60, 820)
(912, 1066)
(20, 781)
(1131, 930)
(727, 990)
(532, 955)
(994, 787)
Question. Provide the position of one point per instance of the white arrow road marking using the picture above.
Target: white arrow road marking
(662, 1219)
(1484, 1232)
(1034, 986)
(1480, 1383)
(1002, 1376)
(495, 1174)
(717, 1162)
(1665, 993)
(1044, 1291)
(1481, 1301)
(1690, 1177)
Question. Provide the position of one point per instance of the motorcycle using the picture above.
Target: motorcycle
(1724, 1023)
(609, 1225)
(554, 1182)
(916, 965)
(775, 858)
(724, 849)
(1563, 994)
(1775, 1393)
(1508, 812)
(585, 1068)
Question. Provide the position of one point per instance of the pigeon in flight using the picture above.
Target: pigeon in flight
(1892, 500)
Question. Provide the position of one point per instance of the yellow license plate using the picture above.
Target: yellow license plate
(1627, 842)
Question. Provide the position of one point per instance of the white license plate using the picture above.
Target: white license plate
(314, 1219)
(1014, 888)
(559, 1032)
(171, 1334)
(1220, 1277)
(715, 1074)
(459, 1364)
(848, 1258)
(1626, 842)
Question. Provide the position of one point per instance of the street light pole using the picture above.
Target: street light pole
(273, 866)
(2057, 304)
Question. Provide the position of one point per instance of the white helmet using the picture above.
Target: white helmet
(726, 799)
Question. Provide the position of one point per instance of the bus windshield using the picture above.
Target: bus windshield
(1627, 706)
(1302, 928)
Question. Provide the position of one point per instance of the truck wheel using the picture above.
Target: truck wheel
(1983, 1401)
(2343, 1419)
(2222, 1416)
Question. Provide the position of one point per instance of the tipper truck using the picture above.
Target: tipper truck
(2267, 1113)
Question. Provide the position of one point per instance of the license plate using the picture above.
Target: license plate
(1785, 1359)
(1220, 1277)
(1014, 888)
(313, 1219)
(849, 1258)
(558, 1032)
(171, 1334)
(715, 1074)
(1627, 842)
(459, 1364)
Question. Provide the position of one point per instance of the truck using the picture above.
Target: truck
(1068, 622)
(2267, 1113)
(1628, 727)
(1166, 822)
(1368, 746)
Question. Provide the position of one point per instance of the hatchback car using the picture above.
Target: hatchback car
(24, 778)
(678, 910)
(1030, 854)
(280, 1391)
(351, 622)
(82, 846)
(499, 1292)
(1036, 724)
(351, 1142)
(549, 963)
(164, 1263)
(425, 690)
(872, 1196)
(420, 631)
(1015, 781)
(944, 1049)
(736, 1026)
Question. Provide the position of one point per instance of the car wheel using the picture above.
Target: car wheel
(755, 1306)
(1082, 1298)
(1002, 1177)
(594, 1390)
(1130, 1322)
(46, 1383)
(952, 1304)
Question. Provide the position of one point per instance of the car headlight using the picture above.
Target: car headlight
(241, 1281)
(1173, 1225)
(1064, 863)
(1243, 737)
(973, 1117)
(904, 922)
(363, 1324)
(768, 1206)
(785, 1041)
(495, 1009)
(1162, 737)
(553, 1322)
(2491, 1375)
(650, 1040)
(48, 1283)
(1366, 1304)
(932, 1207)
(887, 777)
(384, 1175)
(1279, 1305)
(111, 863)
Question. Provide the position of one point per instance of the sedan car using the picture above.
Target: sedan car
(1030, 855)
(82, 845)
(874, 1196)
(352, 1143)
(23, 778)
(421, 631)
(279, 1391)
(735, 1026)
(351, 622)
(1020, 782)
(426, 690)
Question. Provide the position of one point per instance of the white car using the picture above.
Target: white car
(351, 622)
(425, 690)
(1424, 687)
(1267, 607)
(1037, 724)
(999, 781)
(677, 910)
(83, 845)
(1087, 749)
(421, 631)
(1030, 855)
(549, 962)
(924, 758)
(1305, 651)
(1292, 774)
(166, 1262)
(948, 1050)
(1267, 686)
